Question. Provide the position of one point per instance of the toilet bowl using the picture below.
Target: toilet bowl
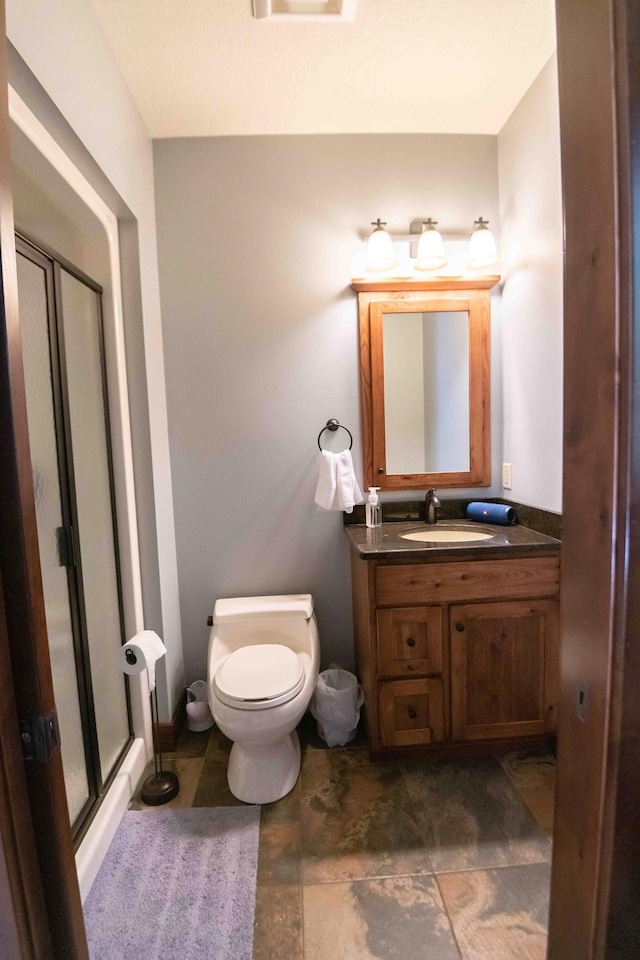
(264, 658)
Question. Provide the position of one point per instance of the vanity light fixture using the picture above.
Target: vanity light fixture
(430, 247)
(380, 253)
(482, 247)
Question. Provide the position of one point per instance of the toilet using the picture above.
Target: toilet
(264, 658)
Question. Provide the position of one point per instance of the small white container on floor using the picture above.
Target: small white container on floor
(198, 713)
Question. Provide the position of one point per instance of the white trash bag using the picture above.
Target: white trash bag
(336, 705)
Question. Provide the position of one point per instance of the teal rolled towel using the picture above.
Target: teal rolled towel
(491, 513)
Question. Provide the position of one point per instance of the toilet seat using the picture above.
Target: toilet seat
(259, 676)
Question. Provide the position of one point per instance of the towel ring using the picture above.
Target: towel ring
(334, 425)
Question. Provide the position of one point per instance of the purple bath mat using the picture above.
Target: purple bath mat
(177, 885)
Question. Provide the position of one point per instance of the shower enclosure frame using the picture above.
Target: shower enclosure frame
(594, 901)
(96, 841)
(52, 263)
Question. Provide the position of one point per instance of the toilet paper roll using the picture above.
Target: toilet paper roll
(141, 653)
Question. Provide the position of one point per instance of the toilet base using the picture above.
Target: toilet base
(264, 772)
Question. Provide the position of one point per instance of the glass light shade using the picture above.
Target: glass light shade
(380, 254)
(430, 254)
(482, 248)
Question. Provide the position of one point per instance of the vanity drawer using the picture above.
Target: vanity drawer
(411, 712)
(410, 641)
(470, 580)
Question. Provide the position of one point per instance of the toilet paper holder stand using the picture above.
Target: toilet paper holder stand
(162, 785)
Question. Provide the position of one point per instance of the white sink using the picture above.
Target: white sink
(446, 536)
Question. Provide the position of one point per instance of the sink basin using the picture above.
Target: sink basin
(446, 536)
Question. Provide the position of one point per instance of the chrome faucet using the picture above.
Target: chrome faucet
(432, 505)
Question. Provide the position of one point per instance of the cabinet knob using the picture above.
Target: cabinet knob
(412, 714)
(459, 627)
(411, 642)
(380, 470)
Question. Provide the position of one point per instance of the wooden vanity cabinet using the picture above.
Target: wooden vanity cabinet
(503, 669)
(457, 656)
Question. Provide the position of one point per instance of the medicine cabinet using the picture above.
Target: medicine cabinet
(425, 382)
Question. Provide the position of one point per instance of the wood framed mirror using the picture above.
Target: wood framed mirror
(425, 383)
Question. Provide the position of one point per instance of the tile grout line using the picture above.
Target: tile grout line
(385, 876)
(302, 933)
(446, 910)
(431, 873)
(524, 799)
(497, 866)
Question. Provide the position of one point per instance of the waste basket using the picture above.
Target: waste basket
(336, 705)
(198, 712)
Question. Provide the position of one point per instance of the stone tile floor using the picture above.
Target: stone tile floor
(446, 859)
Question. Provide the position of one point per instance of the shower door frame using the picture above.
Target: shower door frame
(96, 842)
(52, 264)
(590, 882)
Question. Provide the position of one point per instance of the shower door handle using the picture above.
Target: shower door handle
(66, 549)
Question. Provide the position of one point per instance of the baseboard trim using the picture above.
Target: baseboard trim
(169, 733)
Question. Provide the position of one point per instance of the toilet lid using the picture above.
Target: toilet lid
(265, 671)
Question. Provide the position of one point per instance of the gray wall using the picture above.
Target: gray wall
(255, 238)
(531, 232)
(63, 67)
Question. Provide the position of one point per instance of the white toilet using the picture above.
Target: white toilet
(264, 657)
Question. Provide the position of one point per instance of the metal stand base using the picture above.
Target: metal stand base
(159, 789)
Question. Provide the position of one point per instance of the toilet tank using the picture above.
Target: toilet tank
(239, 621)
(236, 609)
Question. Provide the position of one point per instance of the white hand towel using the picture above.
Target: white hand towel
(348, 492)
(327, 481)
(337, 487)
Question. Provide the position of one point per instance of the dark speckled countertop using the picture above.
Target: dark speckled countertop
(386, 543)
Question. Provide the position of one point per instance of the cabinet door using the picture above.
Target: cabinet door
(503, 669)
(411, 711)
(409, 641)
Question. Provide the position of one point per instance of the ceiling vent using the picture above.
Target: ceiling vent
(305, 9)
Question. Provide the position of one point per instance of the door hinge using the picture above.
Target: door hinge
(66, 550)
(40, 736)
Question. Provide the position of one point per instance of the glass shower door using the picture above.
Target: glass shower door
(61, 331)
(35, 284)
(86, 394)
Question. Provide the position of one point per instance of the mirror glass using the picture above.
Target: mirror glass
(426, 392)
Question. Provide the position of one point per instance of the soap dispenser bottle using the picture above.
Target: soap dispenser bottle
(373, 509)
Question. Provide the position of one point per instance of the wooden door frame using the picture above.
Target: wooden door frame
(595, 887)
(36, 834)
(23, 896)
(594, 895)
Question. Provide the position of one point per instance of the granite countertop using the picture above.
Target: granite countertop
(386, 543)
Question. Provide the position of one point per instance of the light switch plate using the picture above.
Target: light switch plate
(506, 476)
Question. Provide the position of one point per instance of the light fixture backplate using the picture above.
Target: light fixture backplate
(306, 10)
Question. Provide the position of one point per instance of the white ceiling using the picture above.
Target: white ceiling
(209, 68)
